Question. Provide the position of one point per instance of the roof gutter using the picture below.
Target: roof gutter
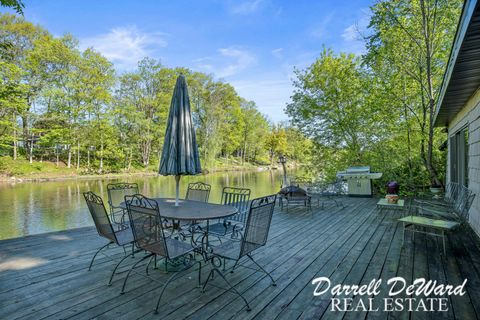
(467, 12)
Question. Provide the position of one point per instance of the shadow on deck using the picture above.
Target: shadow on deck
(45, 276)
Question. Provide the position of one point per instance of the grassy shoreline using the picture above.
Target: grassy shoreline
(22, 171)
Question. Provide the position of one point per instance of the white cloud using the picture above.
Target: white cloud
(242, 60)
(228, 62)
(350, 33)
(125, 46)
(277, 53)
(246, 7)
(354, 33)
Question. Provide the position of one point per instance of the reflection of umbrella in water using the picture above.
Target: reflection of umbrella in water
(180, 150)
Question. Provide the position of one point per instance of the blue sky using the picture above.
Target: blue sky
(252, 44)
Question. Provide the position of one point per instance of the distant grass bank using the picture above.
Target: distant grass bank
(22, 170)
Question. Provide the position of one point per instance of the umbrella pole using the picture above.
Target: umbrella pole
(177, 183)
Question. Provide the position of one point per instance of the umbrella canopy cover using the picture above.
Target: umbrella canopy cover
(180, 151)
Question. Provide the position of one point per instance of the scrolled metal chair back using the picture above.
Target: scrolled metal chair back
(198, 191)
(465, 201)
(99, 215)
(258, 224)
(238, 198)
(451, 192)
(117, 192)
(146, 224)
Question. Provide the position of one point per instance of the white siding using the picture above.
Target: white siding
(470, 116)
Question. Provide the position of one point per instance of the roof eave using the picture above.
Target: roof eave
(467, 12)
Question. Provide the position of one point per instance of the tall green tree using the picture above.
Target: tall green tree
(63, 104)
(97, 77)
(142, 107)
(20, 35)
(410, 41)
(334, 103)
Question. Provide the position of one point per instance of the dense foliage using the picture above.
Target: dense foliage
(378, 109)
(69, 106)
(60, 103)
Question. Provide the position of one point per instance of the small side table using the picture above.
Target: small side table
(383, 204)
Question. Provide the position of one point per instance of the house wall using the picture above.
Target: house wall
(470, 116)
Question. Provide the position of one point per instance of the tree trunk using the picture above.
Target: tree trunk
(431, 102)
(130, 159)
(14, 138)
(101, 157)
(146, 146)
(26, 143)
(69, 163)
(31, 150)
(78, 154)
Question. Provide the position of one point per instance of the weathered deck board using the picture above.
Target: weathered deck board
(352, 246)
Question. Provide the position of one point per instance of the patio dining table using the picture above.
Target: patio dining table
(190, 210)
(193, 210)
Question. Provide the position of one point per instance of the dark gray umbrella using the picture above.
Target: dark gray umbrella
(180, 150)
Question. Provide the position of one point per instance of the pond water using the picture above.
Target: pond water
(38, 207)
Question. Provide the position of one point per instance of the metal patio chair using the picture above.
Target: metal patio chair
(253, 237)
(116, 193)
(452, 192)
(198, 191)
(238, 198)
(148, 233)
(105, 229)
(332, 192)
(437, 221)
(294, 195)
(457, 211)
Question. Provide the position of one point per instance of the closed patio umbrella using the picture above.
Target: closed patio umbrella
(180, 151)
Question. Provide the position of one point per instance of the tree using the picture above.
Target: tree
(97, 78)
(58, 64)
(411, 41)
(68, 105)
(253, 132)
(20, 36)
(213, 118)
(141, 106)
(16, 5)
(333, 104)
(276, 142)
(12, 103)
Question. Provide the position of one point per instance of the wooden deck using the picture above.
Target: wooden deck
(45, 276)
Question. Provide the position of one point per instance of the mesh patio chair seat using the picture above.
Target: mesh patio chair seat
(175, 248)
(116, 193)
(238, 198)
(106, 230)
(253, 236)
(148, 233)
